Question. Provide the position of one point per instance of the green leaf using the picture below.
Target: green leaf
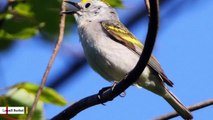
(21, 98)
(23, 34)
(23, 9)
(4, 35)
(6, 16)
(26, 33)
(23, 95)
(48, 95)
(24, 19)
(18, 27)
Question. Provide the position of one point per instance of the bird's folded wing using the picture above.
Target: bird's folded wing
(119, 33)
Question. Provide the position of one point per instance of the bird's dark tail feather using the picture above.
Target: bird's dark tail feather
(178, 106)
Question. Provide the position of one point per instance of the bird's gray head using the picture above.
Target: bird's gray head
(92, 11)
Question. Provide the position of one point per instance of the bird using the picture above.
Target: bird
(113, 51)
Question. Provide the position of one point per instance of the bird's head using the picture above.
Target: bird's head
(91, 11)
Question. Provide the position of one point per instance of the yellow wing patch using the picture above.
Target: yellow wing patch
(122, 32)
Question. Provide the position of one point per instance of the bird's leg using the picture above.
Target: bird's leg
(114, 84)
(123, 94)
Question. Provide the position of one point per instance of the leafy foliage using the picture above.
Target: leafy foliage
(24, 19)
(23, 94)
(48, 95)
(21, 98)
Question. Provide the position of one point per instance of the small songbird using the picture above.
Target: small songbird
(113, 51)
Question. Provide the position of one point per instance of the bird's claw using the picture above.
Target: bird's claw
(123, 94)
(100, 94)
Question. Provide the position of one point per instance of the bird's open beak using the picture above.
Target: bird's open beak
(73, 4)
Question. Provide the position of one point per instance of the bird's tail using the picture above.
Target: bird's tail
(178, 106)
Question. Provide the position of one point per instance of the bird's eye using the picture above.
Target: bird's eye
(87, 5)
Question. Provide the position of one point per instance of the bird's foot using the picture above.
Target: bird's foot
(100, 94)
(123, 94)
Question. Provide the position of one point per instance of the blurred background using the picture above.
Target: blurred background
(183, 48)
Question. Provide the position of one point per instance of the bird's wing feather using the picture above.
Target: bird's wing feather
(121, 34)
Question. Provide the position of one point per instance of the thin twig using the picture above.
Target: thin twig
(191, 108)
(45, 76)
(110, 94)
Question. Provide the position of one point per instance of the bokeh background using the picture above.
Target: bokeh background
(183, 48)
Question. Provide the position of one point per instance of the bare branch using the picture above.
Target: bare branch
(110, 94)
(191, 108)
(55, 51)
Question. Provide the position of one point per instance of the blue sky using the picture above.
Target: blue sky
(183, 48)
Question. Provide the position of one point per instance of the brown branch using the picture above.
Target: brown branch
(191, 108)
(55, 51)
(110, 94)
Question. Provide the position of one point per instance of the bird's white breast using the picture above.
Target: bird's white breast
(109, 58)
